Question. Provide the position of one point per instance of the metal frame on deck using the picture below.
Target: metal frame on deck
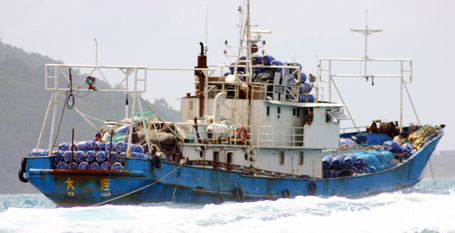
(325, 66)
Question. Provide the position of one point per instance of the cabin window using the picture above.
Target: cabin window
(268, 111)
(201, 154)
(301, 157)
(246, 156)
(281, 157)
(298, 112)
(278, 111)
(294, 112)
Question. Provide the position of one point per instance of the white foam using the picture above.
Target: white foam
(391, 212)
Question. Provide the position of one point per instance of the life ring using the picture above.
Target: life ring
(23, 164)
(156, 162)
(312, 188)
(285, 193)
(238, 194)
(70, 101)
(242, 134)
(218, 199)
(21, 176)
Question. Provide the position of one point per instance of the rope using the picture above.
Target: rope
(432, 176)
(137, 190)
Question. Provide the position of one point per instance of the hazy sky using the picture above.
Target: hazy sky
(167, 34)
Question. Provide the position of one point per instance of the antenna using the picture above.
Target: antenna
(96, 52)
(366, 32)
(206, 27)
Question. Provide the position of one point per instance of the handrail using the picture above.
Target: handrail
(233, 135)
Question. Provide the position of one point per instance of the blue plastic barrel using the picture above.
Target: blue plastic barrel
(326, 162)
(114, 156)
(276, 63)
(137, 148)
(62, 165)
(117, 166)
(58, 157)
(242, 58)
(84, 145)
(291, 81)
(134, 155)
(348, 161)
(267, 59)
(305, 89)
(83, 166)
(40, 152)
(306, 98)
(104, 166)
(121, 146)
(64, 146)
(79, 156)
(359, 163)
(89, 156)
(256, 59)
(232, 68)
(67, 156)
(122, 129)
(94, 166)
(107, 145)
(122, 157)
(337, 162)
(406, 148)
(303, 77)
(392, 146)
(95, 145)
(226, 74)
(74, 166)
(101, 156)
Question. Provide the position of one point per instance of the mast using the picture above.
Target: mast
(366, 32)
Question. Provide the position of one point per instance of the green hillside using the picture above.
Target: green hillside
(23, 105)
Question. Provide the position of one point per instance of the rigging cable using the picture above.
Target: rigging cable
(61, 119)
(70, 100)
(139, 189)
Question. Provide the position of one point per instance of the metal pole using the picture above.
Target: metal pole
(330, 81)
(54, 114)
(365, 57)
(130, 129)
(401, 97)
(44, 125)
(96, 52)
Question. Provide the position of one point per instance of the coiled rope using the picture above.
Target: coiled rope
(137, 190)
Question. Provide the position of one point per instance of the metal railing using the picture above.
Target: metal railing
(270, 136)
(207, 134)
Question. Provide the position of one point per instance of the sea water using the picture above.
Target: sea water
(427, 207)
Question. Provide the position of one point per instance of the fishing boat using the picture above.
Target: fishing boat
(256, 129)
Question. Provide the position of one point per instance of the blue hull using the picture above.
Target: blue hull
(141, 182)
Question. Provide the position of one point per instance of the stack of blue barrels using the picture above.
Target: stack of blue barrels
(91, 155)
(334, 165)
(357, 161)
(265, 72)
